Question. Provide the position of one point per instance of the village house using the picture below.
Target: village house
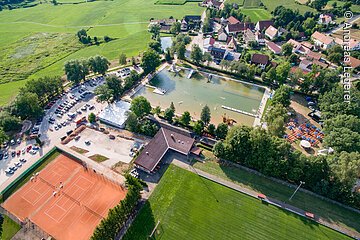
(260, 60)
(249, 36)
(231, 43)
(353, 62)
(354, 45)
(218, 53)
(190, 22)
(322, 41)
(165, 24)
(222, 35)
(263, 25)
(211, 3)
(325, 19)
(306, 65)
(208, 43)
(232, 20)
(260, 38)
(276, 49)
(234, 29)
(272, 32)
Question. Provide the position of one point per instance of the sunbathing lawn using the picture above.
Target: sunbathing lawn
(191, 207)
(10, 228)
(98, 158)
(326, 210)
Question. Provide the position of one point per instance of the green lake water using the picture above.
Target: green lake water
(193, 94)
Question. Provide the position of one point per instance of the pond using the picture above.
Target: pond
(166, 42)
(200, 90)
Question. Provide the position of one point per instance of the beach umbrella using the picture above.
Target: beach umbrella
(303, 137)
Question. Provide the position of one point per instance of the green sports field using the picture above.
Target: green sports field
(124, 20)
(191, 207)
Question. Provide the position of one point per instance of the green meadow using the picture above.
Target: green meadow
(191, 207)
(125, 21)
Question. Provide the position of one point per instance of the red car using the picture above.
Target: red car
(28, 148)
(18, 152)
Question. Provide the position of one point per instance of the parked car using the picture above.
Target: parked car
(23, 160)
(87, 142)
(112, 137)
(18, 140)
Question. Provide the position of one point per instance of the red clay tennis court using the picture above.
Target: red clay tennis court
(66, 200)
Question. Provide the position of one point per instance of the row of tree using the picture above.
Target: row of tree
(110, 226)
(77, 69)
(332, 176)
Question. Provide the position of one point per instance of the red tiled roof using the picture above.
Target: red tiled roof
(322, 37)
(264, 24)
(313, 55)
(274, 47)
(353, 62)
(260, 59)
(232, 20)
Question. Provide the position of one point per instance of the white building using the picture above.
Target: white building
(115, 114)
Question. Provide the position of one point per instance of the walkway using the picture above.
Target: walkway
(254, 194)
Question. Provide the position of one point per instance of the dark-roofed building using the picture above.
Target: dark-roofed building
(218, 53)
(262, 25)
(164, 140)
(238, 27)
(260, 60)
(190, 22)
(211, 3)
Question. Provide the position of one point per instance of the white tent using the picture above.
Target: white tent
(115, 114)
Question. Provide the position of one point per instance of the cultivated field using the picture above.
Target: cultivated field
(190, 207)
(257, 14)
(125, 21)
(65, 199)
(271, 5)
(238, 2)
(252, 3)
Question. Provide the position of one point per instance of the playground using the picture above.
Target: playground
(65, 199)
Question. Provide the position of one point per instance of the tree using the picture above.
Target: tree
(275, 118)
(150, 61)
(219, 149)
(115, 84)
(9, 122)
(107, 38)
(185, 118)
(156, 46)
(198, 127)
(122, 59)
(335, 58)
(225, 64)
(27, 105)
(157, 110)
(282, 72)
(175, 28)
(1, 224)
(3, 136)
(221, 130)
(76, 70)
(82, 36)
(148, 128)
(132, 122)
(293, 58)
(205, 115)
(282, 96)
(180, 50)
(271, 75)
(169, 114)
(92, 117)
(207, 58)
(343, 139)
(140, 106)
(154, 29)
(309, 23)
(287, 49)
(168, 57)
(211, 129)
(196, 54)
(104, 94)
(99, 64)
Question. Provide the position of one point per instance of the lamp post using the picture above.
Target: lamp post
(301, 183)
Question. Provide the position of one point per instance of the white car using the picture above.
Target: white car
(32, 151)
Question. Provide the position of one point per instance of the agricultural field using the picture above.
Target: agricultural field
(125, 21)
(252, 3)
(271, 5)
(171, 2)
(238, 2)
(189, 206)
(257, 14)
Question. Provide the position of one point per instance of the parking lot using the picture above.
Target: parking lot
(60, 116)
(95, 142)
